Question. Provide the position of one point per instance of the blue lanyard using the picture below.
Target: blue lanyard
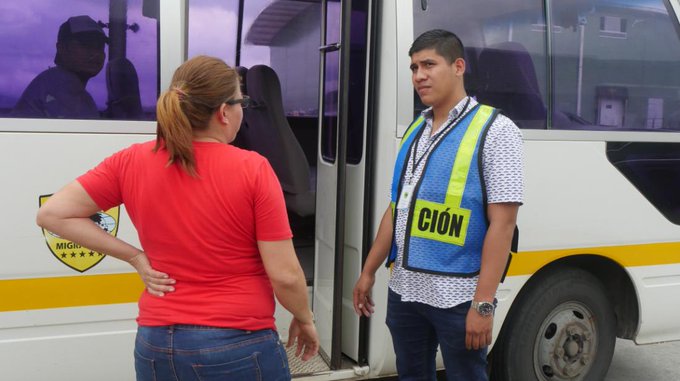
(414, 151)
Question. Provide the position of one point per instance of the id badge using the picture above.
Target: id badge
(405, 196)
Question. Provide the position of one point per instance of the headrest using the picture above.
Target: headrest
(264, 88)
(242, 71)
(508, 67)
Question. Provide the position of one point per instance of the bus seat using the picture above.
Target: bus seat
(267, 132)
(508, 81)
(242, 72)
(240, 139)
(122, 84)
(471, 76)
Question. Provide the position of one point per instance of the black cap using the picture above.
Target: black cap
(80, 26)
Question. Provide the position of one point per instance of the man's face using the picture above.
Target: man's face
(433, 77)
(83, 55)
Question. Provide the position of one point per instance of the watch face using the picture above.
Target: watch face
(485, 308)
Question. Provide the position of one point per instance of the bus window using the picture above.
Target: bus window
(329, 132)
(290, 34)
(212, 29)
(615, 65)
(78, 60)
(256, 40)
(654, 169)
(285, 35)
(356, 87)
(505, 52)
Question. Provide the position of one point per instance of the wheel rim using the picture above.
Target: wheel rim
(566, 343)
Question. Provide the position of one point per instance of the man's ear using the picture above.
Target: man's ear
(61, 52)
(459, 63)
(61, 46)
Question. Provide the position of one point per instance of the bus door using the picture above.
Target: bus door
(340, 213)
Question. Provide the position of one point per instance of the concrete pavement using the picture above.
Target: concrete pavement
(652, 362)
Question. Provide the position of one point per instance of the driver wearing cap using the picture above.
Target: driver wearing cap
(59, 92)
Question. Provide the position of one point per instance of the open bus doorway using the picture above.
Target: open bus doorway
(297, 73)
(295, 70)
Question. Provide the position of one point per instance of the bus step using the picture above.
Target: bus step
(299, 368)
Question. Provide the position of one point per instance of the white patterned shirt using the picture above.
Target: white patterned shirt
(503, 175)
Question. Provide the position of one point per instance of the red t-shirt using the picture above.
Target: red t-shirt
(201, 231)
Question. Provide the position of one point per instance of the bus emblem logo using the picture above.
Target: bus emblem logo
(73, 255)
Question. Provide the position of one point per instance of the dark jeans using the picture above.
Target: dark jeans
(417, 329)
(197, 353)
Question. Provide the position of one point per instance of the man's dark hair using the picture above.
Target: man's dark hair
(445, 43)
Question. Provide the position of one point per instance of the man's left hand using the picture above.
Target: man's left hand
(478, 330)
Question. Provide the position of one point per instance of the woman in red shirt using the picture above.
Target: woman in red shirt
(216, 242)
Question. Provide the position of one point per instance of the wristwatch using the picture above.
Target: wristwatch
(483, 308)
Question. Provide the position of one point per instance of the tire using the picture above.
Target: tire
(562, 327)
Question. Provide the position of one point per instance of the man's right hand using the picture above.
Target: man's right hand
(363, 303)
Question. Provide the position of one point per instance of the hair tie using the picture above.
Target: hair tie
(180, 92)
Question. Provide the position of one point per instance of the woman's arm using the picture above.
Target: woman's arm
(288, 281)
(67, 214)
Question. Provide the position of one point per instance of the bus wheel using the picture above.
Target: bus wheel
(563, 328)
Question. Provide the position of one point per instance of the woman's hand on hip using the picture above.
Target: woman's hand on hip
(156, 282)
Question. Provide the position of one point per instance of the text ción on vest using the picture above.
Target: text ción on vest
(440, 222)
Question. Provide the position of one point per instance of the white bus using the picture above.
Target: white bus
(594, 85)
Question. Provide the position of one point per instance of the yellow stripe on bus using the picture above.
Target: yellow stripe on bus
(528, 262)
(88, 290)
(72, 291)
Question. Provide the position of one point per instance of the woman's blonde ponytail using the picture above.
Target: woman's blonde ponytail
(174, 131)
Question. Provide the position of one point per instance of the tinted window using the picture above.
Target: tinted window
(505, 51)
(329, 123)
(255, 42)
(79, 59)
(615, 65)
(654, 169)
(285, 35)
(213, 25)
(357, 83)
(356, 87)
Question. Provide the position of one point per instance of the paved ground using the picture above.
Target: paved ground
(654, 362)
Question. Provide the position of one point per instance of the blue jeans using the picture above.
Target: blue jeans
(198, 353)
(418, 328)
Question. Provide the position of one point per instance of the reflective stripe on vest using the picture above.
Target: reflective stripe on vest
(448, 222)
(406, 141)
(438, 226)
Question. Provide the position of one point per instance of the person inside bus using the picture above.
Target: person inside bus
(59, 92)
(456, 190)
(216, 241)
